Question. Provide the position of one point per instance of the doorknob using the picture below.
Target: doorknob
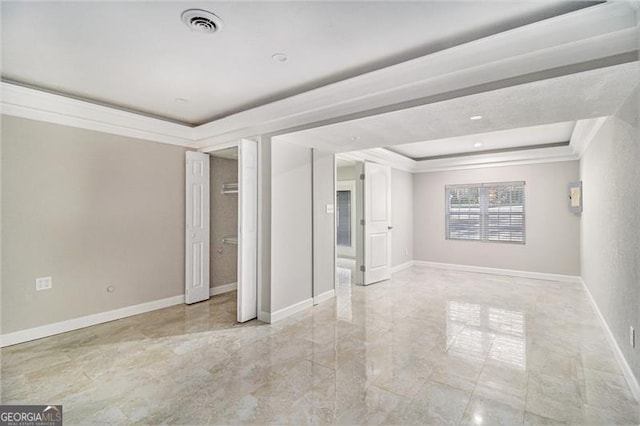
(193, 235)
(389, 228)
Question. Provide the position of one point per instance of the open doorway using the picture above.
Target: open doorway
(221, 227)
(363, 221)
(223, 267)
(348, 215)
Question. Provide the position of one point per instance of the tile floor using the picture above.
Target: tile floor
(430, 346)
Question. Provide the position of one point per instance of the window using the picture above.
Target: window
(485, 212)
(343, 204)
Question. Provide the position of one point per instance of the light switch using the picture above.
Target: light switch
(329, 208)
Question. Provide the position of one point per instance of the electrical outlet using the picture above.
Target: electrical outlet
(632, 337)
(44, 283)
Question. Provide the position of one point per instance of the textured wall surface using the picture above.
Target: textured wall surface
(224, 222)
(610, 247)
(552, 232)
(92, 210)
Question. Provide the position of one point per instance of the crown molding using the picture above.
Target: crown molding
(564, 44)
(25, 102)
(381, 156)
(503, 159)
(583, 134)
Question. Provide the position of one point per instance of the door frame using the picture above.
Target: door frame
(212, 149)
(344, 251)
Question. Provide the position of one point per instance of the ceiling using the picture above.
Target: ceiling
(537, 113)
(511, 139)
(139, 56)
(394, 80)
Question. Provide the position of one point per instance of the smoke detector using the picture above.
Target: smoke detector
(201, 21)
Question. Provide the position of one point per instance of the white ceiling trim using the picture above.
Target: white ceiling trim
(533, 156)
(582, 36)
(381, 156)
(583, 134)
(34, 104)
(37, 105)
(514, 158)
(557, 159)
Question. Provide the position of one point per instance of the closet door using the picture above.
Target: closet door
(247, 230)
(197, 228)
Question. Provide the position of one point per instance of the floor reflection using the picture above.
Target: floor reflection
(410, 350)
(479, 332)
(345, 272)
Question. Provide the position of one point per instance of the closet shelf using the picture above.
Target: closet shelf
(230, 240)
(230, 188)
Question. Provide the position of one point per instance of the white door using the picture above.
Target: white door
(197, 228)
(377, 223)
(247, 230)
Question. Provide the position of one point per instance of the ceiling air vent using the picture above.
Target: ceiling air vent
(201, 21)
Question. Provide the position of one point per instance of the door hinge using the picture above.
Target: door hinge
(362, 268)
(362, 222)
(361, 176)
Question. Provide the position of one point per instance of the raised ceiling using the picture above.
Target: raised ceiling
(139, 56)
(358, 76)
(502, 140)
(541, 112)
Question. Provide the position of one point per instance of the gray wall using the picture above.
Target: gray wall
(91, 210)
(324, 243)
(610, 247)
(552, 232)
(401, 217)
(291, 227)
(223, 223)
(264, 224)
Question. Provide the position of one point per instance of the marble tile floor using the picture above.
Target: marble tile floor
(429, 346)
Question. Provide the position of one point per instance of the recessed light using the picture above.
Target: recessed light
(355, 138)
(477, 145)
(181, 100)
(279, 57)
(476, 117)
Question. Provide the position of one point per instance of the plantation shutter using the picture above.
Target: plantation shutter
(485, 212)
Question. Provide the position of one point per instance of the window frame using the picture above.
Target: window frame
(483, 210)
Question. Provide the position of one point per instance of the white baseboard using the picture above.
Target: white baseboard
(402, 266)
(86, 321)
(222, 289)
(496, 271)
(283, 313)
(632, 381)
(324, 296)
